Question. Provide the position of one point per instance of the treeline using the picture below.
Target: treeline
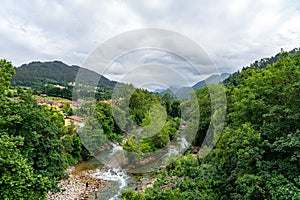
(35, 145)
(101, 93)
(233, 79)
(257, 155)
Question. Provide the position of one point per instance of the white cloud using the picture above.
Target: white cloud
(233, 33)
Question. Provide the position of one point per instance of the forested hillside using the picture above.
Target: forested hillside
(257, 155)
(56, 72)
(57, 79)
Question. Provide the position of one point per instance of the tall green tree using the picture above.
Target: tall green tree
(6, 72)
(40, 131)
(18, 180)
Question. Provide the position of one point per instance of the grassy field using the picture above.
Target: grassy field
(52, 99)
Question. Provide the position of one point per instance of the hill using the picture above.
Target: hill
(55, 72)
(262, 63)
(56, 78)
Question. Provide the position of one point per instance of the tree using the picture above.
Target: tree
(257, 155)
(40, 130)
(6, 72)
(67, 109)
(18, 180)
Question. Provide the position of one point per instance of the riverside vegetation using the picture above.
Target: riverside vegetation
(256, 157)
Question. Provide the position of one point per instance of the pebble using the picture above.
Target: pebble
(75, 186)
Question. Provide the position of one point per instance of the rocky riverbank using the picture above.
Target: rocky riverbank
(79, 185)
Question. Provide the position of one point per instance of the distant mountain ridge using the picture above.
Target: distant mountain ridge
(184, 92)
(36, 74)
(213, 79)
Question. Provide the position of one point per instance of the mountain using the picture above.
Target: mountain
(57, 79)
(37, 74)
(179, 93)
(213, 79)
(184, 92)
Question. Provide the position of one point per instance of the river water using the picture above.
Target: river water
(119, 179)
(138, 177)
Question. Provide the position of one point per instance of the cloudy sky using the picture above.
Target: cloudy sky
(233, 33)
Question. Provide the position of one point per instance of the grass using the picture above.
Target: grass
(52, 99)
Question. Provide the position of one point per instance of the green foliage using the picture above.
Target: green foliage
(130, 195)
(107, 122)
(257, 155)
(87, 109)
(203, 97)
(234, 79)
(45, 77)
(146, 143)
(54, 115)
(18, 180)
(66, 108)
(73, 147)
(104, 93)
(54, 91)
(92, 135)
(6, 72)
(152, 115)
(56, 73)
(31, 147)
(175, 109)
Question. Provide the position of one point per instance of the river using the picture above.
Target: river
(118, 179)
(136, 174)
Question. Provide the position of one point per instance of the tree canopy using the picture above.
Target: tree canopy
(31, 143)
(257, 155)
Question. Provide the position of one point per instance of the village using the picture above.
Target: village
(59, 104)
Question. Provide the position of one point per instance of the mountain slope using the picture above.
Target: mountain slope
(213, 79)
(37, 74)
(184, 92)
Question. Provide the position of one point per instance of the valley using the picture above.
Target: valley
(137, 144)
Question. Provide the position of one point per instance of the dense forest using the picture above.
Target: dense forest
(35, 145)
(256, 157)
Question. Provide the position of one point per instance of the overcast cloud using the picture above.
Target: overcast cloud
(233, 33)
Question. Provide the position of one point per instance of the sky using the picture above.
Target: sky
(232, 33)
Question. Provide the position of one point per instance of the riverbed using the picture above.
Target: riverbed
(91, 180)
